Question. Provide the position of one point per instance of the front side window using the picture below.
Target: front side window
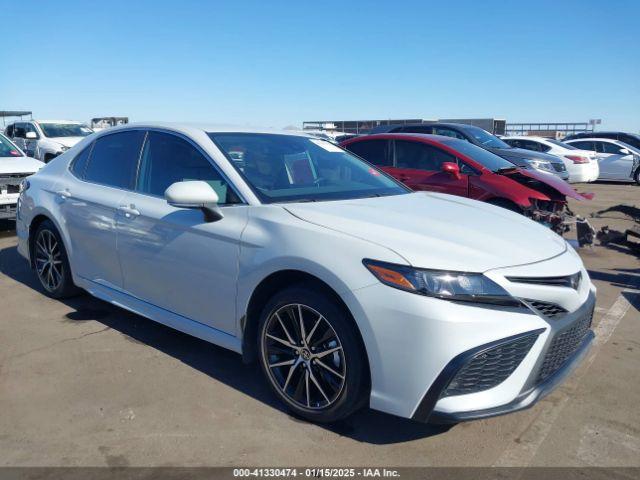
(9, 131)
(114, 159)
(56, 130)
(373, 151)
(7, 148)
(167, 159)
(19, 130)
(290, 168)
(420, 156)
(610, 148)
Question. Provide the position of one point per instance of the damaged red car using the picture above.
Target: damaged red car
(449, 165)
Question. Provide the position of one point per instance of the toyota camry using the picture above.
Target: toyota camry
(347, 288)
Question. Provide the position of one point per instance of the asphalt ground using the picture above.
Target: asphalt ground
(84, 383)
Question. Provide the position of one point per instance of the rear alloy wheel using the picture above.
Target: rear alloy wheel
(51, 262)
(311, 355)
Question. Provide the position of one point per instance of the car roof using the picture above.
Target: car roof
(405, 135)
(190, 128)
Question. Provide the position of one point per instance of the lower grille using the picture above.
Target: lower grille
(564, 345)
(491, 367)
(547, 309)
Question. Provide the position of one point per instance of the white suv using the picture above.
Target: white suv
(46, 139)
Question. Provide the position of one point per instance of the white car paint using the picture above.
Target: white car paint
(166, 263)
(42, 147)
(13, 170)
(578, 172)
(618, 161)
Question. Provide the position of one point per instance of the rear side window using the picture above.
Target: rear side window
(584, 145)
(373, 151)
(448, 132)
(420, 156)
(79, 164)
(415, 129)
(114, 159)
(167, 159)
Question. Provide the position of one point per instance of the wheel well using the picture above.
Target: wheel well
(266, 289)
(49, 156)
(37, 220)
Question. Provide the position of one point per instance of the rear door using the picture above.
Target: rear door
(89, 204)
(419, 166)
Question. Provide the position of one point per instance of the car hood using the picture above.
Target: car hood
(522, 154)
(66, 141)
(532, 179)
(433, 230)
(19, 165)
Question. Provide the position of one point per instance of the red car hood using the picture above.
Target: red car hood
(551, 180)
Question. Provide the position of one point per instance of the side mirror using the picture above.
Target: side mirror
(452, 169)
(31, 135)
(194, 194)
(625, 151)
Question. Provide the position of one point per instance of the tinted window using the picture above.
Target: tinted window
(30, 128)
(610, 148)
(374, 151)
(9, 131)
(584, 145)
(80, 162)
(484, 138)
(420, 156)
(484, 157)
(167, 159)
(415, 129)
(19, 130)
(633, 140)
(114, 159)
(290, 168)
(447, 132)
(8, 149)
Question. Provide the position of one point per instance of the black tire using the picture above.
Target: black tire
(636, 176)
(507, 204)
(325, 401)
(56, 280)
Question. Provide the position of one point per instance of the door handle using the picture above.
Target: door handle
(64, 194)
(129, 211)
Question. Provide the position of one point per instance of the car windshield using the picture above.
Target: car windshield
(561, 144)
(8, 149)
(485, 158)
(291, 168)
(54, 130)
(485, 138)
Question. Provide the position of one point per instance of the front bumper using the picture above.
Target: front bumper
(415, 344)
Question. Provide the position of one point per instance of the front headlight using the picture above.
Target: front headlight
(541, 165)
(456, 286)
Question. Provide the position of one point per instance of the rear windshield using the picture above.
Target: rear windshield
(56, 130)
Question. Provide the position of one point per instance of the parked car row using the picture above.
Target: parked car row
(46, 139)
(458, 167)
(346, 286)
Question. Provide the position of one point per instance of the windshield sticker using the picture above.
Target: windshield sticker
(328, 146)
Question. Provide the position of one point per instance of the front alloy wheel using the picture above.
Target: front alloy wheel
(312, 354)
(304, 356)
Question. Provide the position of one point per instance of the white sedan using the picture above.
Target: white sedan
(348, 288)
(618, 161)
(582, 165)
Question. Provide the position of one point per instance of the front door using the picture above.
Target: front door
(172, 257)
(614, 163)
(419, 166)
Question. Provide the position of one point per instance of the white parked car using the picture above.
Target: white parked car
(46, 139)
(15, 166)
(347, 287)
(582, 165)
(618, 161)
